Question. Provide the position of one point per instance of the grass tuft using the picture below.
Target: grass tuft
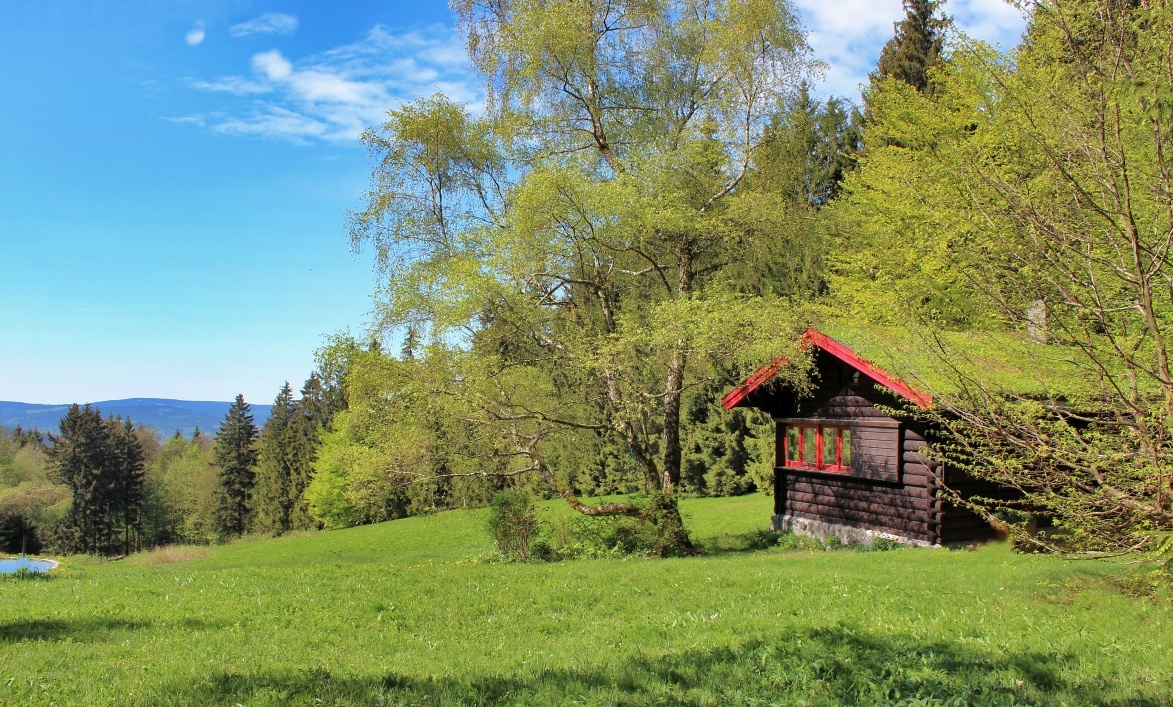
(169, 554)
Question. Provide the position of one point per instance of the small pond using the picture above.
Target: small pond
(9, 565)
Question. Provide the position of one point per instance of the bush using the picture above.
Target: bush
(513, 523)
(658, 531)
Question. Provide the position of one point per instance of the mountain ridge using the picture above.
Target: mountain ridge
(167, 415)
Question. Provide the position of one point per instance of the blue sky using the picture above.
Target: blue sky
(174, 178)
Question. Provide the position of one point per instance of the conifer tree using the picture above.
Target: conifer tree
(273, 493)
(236, 460)
(126, 461)
(79, 453)
(916, 46)
(310, 416)
(101, 462)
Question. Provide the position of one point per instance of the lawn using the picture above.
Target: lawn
(399, 613)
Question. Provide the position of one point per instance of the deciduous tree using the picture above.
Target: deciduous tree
(565, 256)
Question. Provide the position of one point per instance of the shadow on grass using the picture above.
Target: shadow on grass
(84, 630)
(755, 540)
(826, 667)
(740, 542)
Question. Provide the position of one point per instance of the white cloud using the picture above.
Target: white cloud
(335, 95)
(848, 35)
(236, 85)
(186, 120)
(195, 35)
(272, 65)
(268, 23)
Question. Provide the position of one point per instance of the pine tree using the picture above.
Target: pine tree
(273, 497)
(79, 455)
(810, 148)
(916, 46)
(126, 459)
(101, 461)
(236, 460)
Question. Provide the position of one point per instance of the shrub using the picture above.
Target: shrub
(658, 531)
(513, 523)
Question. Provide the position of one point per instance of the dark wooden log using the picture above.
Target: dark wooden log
(920, 460)
(893, 498)
(832, 496)
(902, 508)
(918, 524)
(918, 479)
(919, 470)
(911, 436)
(853, 483)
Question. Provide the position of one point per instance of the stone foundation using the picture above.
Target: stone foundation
(848, 535)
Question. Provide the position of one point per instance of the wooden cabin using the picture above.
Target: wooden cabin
(843, 466)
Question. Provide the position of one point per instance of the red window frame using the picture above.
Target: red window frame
(819, 464)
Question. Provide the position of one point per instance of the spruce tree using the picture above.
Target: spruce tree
(916, 46)
(79, 455)
(313, 414)
(126, 460)
(236, 460)
(101, 462)
(273, 497)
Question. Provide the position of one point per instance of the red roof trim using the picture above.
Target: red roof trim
(839, 351)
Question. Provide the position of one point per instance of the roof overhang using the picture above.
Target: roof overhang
(821, 341)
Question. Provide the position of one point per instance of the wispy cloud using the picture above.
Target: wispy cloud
(186, 120)
(333, 96)
(195, 35)
(268, 23)
(848, 35)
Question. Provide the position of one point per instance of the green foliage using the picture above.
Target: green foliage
(326, 497)
(30, 500)
(568, 265)
(916, 48)
(513, 523)
(810, 147)
(726, 452)
(390, 614)
(273, 495)
(100, 461)
(182, 493)
(655, 529)
(236, 460)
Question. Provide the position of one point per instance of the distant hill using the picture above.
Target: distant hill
(166, 416)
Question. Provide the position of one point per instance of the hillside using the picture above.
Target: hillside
(404, 613)
(163, 414)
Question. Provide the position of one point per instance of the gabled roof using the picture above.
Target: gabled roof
(821, 341)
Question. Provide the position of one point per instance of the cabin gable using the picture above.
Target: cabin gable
(843, 465)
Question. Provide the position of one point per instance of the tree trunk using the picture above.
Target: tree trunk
(674, 381)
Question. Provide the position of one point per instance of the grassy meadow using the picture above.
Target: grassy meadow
(404, 613)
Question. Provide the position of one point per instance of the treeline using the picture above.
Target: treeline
(103, 485)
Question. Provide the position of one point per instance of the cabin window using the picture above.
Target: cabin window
(821, 447)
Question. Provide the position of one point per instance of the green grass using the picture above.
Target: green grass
(395, 614)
